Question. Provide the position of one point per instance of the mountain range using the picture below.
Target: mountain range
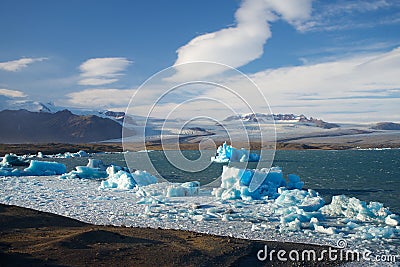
(26, 121)
(22, 126)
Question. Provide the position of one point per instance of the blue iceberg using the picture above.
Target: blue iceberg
(227, 153)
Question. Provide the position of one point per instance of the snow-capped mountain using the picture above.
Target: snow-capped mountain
(7, 103)
(290, 118)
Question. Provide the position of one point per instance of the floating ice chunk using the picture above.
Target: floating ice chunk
(183, 190)
(227, 153)
(294, 225)
(148, 200)
(118, 178)
(235, 183)
(13, 160)
(44, 168)
(144, 178)
(294, 182)
(79, 154)
(324, 230)
(306, 200)
(352, 225)
(96, 163)
(392, 220)
(40, 155)
(356, 209)
(95, 169)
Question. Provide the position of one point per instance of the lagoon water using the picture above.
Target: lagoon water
(370, 175)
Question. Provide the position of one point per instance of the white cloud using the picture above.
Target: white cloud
(12, 93)
(100, 71)
(97, 81)
(104, 98)
(351, 14)
(237, 46)
(364, 87)
(16, 65)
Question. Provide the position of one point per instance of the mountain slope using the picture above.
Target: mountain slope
(265, 118)
(22, 126)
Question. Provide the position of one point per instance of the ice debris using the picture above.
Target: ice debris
(227, 153)
(359, 210)
(299, 209)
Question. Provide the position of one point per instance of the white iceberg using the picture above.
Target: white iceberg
(118, 178)
(227, 153)
(121, 179)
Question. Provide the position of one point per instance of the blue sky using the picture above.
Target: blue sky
(332, 59)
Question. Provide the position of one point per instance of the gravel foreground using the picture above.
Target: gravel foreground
(33, 238)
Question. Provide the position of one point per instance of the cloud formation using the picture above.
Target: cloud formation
(366, 84)
(350, 14)
(239, 45)
(100, 71)
(12, 93)
(100, 98)
(16, 65)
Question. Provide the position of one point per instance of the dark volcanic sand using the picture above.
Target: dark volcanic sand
(33, 238)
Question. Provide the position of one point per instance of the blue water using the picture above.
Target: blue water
(368, 175)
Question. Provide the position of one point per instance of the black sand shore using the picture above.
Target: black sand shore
(33, 238)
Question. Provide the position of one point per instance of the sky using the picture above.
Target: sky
(335, 60)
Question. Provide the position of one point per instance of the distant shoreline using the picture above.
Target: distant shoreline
(55, 148)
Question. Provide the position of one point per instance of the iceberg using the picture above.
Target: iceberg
(13, 160)
(236, 183)
(44, 168)
(121, 179)
(118, 178)
(95, 169)
(66, 155)
(144, 178)
(36, 168)
(79, 154)
(183, 189)
(227, 153)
